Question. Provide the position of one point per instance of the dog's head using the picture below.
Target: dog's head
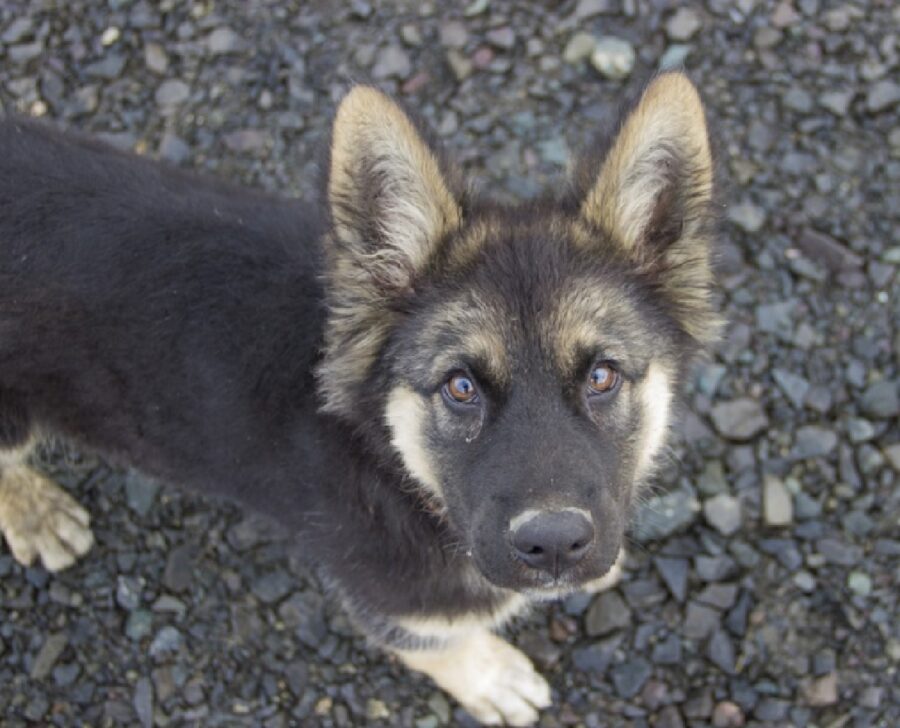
(520, 362)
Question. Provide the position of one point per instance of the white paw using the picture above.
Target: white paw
(38, 518)
(490, 678)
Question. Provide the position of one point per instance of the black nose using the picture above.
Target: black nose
(553, 541)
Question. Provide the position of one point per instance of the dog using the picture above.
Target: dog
(450, 404)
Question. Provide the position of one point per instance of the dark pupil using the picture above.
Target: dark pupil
(463, 385)
(600, 375)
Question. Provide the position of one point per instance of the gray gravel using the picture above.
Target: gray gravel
(762, 586)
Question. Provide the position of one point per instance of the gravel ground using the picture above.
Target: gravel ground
(763, 582)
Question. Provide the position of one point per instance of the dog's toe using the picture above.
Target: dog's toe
(38, 518)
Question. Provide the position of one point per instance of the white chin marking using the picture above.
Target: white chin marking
(405, 415)
(656, 399)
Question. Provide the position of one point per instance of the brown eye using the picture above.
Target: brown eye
(603, 379)
(461, 388)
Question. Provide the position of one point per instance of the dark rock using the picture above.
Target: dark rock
(700, 621)
(674, 573)
(607, 614)
(629, 677)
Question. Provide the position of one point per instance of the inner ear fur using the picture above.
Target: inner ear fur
(392, 200)
(652, 197)
(391, 196)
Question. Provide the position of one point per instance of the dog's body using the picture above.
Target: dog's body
(449, 404)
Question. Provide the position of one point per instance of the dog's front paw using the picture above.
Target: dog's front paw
(38, 518)
(490, 678)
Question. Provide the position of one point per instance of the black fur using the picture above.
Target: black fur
(174, 323)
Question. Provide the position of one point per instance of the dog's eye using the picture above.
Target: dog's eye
(460, 388)
(603, 378)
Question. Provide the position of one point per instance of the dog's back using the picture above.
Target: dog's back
(124, 281)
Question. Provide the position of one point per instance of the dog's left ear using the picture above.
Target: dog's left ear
(652, 195)
(388, 192)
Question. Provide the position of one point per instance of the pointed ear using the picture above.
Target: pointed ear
(391, 200)
(653, 197)
(388, 193)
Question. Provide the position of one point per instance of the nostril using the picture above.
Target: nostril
(535, 551)
(577, 545)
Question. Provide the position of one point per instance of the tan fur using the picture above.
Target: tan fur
(406, 414)
(669, 115)
(417, 206)
(666, 134)
(656, 398)
(493, 680)
(375, 144)
(37, 517)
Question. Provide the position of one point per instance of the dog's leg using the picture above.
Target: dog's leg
(490, 678)
(37, 517)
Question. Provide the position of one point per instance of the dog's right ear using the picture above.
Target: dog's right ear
(391, 200)
(388, 193)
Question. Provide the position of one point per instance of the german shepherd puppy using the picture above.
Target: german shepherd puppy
(450, 403)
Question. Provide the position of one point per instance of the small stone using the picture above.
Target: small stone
(778, 508)
(792, 385)
(882, 96)
(661, 516)
(18, 30)
(156, 59)
(859, 583)
(827, 251)
(683, 24)
(246, 140)
(812, 441)
(173, 148)
(747, 216)
(25, 52)
(48, 655)
(720, 651)
(837, 102)
(459, 64)
(674, 57)
(411, 35)
(674, 573)
(892, 453)
(504, 38)
(272, 587)
(143, 702)
(453, 34)
(881, 400)
(822, 691)
(224, 40)
(668, 652)
(179, 572)
(805, 581)
(740, 419)
(727, 715)
(167, 642)
(700, 621)
(859, 430)
(613, 57)
(784, 15)
(110, 36)
(477, 7)
(723, 512)
(797, 99)
(138, 625)
(128, 592)
(591, 8)
(391, 62)
(172, 92)
(669, 717)
(629, 677)
(377, 710)
(579, 47)
(608, 613)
